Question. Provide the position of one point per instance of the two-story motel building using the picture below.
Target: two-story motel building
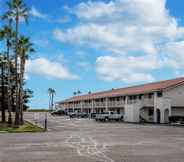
(153, 102)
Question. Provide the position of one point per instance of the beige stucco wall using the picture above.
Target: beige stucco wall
(176, 96)
(132, 112)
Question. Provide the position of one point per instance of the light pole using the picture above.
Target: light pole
(45, 126)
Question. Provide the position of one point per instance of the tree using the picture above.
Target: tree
(24, 47)
(16, 10)
(7, 34)
(12, 62)
(74, 93)
(51, 93)
(2, 65)
(78, 92)
(26, 97)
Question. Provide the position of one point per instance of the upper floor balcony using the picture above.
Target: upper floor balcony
(99, 104)
(144, 101)
(76, 105)
(86, 104)
(148, 102)
(119, 103)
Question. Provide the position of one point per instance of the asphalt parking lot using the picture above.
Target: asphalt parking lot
(84, 140)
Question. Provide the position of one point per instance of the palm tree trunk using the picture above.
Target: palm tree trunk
(9, 81)
(3, 95)
(17, 109)
(9, 86)
(21, 90)
(21, 105)
(50, 102)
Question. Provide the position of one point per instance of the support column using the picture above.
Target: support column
(67, 107)
(126, 100)
(92, 106)
(81, 106)
(162, 114)
(170, 111)
(106, 104)
(126, 109)
(155, 107)
(72, 104)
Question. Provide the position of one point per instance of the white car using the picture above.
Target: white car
(110, 115)
(116, 117)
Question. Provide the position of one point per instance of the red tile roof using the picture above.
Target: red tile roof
(140, 89)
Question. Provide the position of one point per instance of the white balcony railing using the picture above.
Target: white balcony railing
(148, 101)
(99, 104)
(144, 101)
(115, 103)
(77, 105)
(87, 105)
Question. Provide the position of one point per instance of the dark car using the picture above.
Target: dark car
(58, 112)
(78, 115)
(176, 119)
(82, 115)
(72, 114)
(93, 115)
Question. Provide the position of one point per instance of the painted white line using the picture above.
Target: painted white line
(88, 147)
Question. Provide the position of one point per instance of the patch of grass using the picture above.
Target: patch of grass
(38, 110)
(26, 127)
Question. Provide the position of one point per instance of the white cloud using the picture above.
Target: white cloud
(174, 54)
(46, 68)
(139, 68)
(121, 26)
(138, 30)
(36, 13)
(93, 10)
(126, 69)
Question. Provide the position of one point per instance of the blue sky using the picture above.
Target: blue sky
(100, 45)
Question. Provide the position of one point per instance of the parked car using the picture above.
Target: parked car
(116, 117)
(78, 115)
(82, 115)
(103, 116)
(108, 116)
(58, 112)
(72, 114)
(93, 115)
(176, 119)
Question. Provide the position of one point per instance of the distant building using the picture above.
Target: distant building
(152, 102)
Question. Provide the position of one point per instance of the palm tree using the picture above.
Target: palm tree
(2, 65)
(24, 48)
(79, 92)
(6, 34)
(51, 93)
(16, 10)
